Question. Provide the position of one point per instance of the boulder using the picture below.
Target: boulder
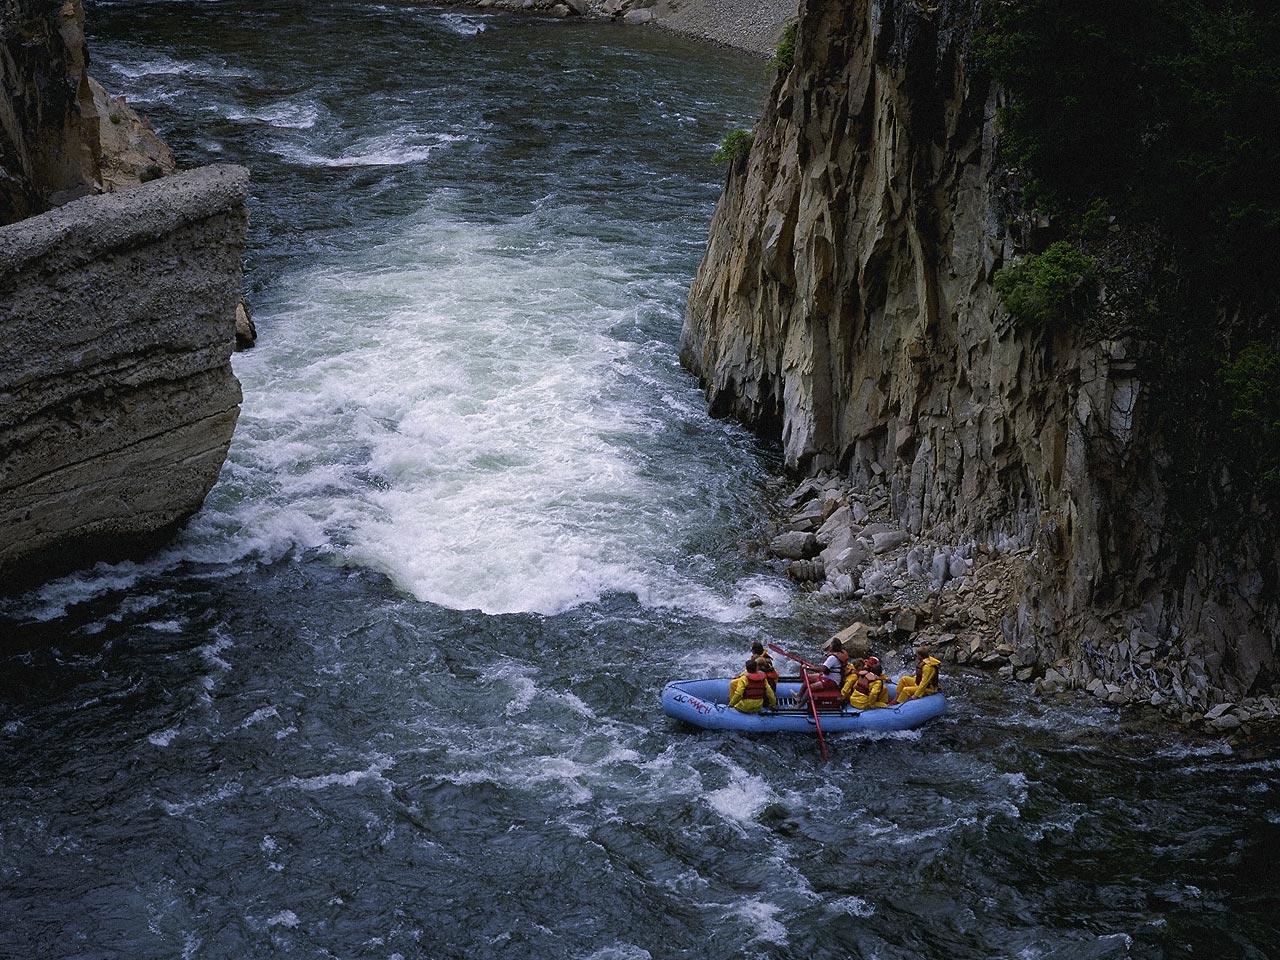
(807, 571)
(840, 521)
(852, 558)
(889, 540)
(794, 545)
(246, 331)
(845, 542)
(811, 486)
(856, 639)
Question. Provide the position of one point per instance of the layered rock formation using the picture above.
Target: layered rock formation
(846, 306)
(117, 400)
(61, 135)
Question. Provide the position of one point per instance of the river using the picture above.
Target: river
(393, 692)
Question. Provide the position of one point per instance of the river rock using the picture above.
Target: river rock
(246, 331)
(807, 571)
(841, 520)
(889, 540)
(794, 545)
(856, 639)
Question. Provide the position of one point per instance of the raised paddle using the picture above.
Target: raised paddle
(800, 660)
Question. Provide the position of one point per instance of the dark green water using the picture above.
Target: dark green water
(394, 692)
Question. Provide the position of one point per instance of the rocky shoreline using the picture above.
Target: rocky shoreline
(962, 599)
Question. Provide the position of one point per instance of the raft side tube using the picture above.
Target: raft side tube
(705, 704)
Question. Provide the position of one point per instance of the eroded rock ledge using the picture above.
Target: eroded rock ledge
(846, 307)
(117, 398)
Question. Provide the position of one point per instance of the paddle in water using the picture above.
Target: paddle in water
(813, 707)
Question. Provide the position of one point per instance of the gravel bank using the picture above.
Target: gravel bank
(752, 25)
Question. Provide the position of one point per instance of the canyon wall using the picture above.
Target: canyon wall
(846, 306)
(117, 399)
(61, 135)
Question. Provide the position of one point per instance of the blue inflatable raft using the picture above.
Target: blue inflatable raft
(705, 703)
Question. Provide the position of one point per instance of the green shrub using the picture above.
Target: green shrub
(784, 57)
(1252, 382)
(735, 145)
(1055, 286)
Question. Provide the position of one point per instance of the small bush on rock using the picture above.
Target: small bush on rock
(784, 57)
(735, 145)
(1055, 286)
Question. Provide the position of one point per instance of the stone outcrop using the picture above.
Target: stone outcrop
(61, 135)
(117, 399)
(846, 307)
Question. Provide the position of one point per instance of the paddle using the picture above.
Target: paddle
(813, 707)
(800, 660)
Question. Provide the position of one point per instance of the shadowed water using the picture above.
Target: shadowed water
(394, 691)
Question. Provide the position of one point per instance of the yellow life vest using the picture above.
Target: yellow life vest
(920, 684)
(874, 696)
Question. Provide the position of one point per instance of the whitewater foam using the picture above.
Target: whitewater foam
(374, 772)
(395, 149)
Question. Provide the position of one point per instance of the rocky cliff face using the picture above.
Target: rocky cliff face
(117, 400)
(846, 306)
(61, 135)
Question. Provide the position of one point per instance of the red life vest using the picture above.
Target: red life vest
(757, 683)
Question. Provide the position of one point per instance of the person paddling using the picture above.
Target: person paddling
(833, 671)
(749, 691)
